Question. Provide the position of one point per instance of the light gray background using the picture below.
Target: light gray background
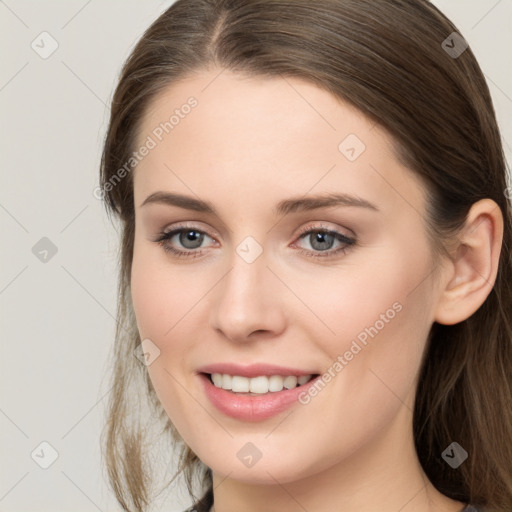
(57, 317)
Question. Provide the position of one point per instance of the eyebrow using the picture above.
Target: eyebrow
(282, 208)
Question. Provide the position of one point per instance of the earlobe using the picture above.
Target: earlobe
(474, 265)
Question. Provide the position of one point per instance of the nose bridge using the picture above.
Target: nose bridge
(246, 298)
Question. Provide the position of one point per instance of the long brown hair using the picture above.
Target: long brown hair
(388, 59)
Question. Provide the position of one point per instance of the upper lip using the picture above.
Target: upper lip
(252, 370)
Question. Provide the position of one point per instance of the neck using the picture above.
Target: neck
(384, 475)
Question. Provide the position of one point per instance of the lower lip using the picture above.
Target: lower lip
(252, 407)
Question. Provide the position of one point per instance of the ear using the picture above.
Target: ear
(475, 264)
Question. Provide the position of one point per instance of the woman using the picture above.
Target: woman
(316, 261)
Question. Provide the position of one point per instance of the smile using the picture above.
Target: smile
(257, 397)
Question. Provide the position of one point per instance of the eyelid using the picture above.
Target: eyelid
(191, 225)
(324, 227)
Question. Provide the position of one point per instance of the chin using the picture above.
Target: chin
(262, 472)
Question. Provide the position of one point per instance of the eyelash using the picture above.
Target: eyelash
(163, 237)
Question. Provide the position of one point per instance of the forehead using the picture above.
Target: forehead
(264, 135)
(227, 101)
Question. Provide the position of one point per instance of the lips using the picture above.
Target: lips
(247, 405)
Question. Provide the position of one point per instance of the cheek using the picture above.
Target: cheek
(380, 315)
(381, 321)
(155, 302)
(150, 298)
(163, 300)
(383, 293)
(157, 292)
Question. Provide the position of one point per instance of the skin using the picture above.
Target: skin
(248, 144)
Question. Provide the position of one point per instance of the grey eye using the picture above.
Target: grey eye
(321, 241)
(190, 238)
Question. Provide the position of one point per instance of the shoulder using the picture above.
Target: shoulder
(469, 508)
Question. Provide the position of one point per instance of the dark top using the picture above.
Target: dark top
(196, 508)
(205, 503)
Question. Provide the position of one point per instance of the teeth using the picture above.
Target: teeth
(226, 381)
(217, 379)
(290, 382)
(257, 385)
(275, 383)
(302, 380)
(240, 384)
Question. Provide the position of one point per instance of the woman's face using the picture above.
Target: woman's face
(271, 283)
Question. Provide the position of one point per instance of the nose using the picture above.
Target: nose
(247, 304)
